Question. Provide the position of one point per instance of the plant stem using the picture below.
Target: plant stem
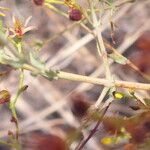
(92, 80)
(105, 82)
(100, 43)
(80, 147)
(101, 50)
(13, 107)
(102, 96)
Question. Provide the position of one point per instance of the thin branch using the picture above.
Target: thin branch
(105, 82)
(92, 80)
(80, 147)
(128, 62)
(100, 43)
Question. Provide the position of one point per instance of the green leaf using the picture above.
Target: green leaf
(18, 44)
(118, 58)
(35, 61)
(74, 136)
(110, 1)
(3, 57)
(38, 45)
(7, 60)
(50, 74)
(147, 101)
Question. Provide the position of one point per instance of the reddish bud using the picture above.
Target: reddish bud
(147, 125)
(4, 96)
(79, 105)
(38, 2)
(75, 14)
(39, 141)
(130, 146)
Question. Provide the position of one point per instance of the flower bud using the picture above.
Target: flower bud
(4, 96)
(79, 105)
(38, 2)
(75, 14)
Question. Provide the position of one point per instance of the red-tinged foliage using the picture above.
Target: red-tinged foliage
(143, 42)
(75, 14)
(137, 105)
(130, 146)
(4, 96)
(138, 133)
(74, 135)
(142, 60)
(146, 125)
(134, 107)
(138, 126)
(45, 142)
(113, 124)
(38, 2)
(79, 104)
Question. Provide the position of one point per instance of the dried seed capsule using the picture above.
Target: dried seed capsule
(38, 2)
(75, 14)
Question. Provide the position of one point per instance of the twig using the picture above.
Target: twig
(92, 80)
(105, 82)
(80, 147)
(128, 62)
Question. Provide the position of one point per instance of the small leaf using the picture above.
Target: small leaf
(38, 44)
(110, 1)
(130, 146)
(113, 125)
(118, 58)
(116, 139)
(4, 96)
(74, 135)
(147, 101)
(35, 61)
(40, 141)
(51, 74)
(3, 57)
(7, 60)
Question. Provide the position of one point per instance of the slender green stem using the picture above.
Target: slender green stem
(13, 107)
